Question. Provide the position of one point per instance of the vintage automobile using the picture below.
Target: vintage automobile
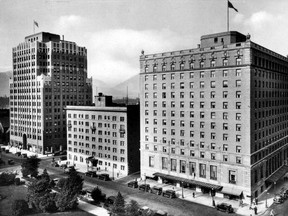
(169, 193)
(133, 184)
(156, 190)
(225, 207)
(278, 199)
(91, 174)
(144, 187)
(104, 177)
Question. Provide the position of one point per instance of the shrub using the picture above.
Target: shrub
(61, 182)
(19, 207)
(7, 178)
(97, 195)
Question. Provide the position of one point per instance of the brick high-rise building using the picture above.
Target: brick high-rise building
(48, 74)
(215, 117)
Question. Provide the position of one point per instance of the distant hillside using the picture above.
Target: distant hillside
(120, 90)
(4, 83)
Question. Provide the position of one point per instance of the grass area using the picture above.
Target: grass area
(13, 192)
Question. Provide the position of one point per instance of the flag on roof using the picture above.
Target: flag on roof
(230, 5)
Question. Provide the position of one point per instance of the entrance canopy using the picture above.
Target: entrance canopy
(189, 181)
(232, 191)
(278, 174)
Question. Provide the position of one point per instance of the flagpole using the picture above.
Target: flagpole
(33, 27)
(227, 17)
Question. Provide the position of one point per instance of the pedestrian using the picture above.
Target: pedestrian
(256, 201)
(255, 210)
(193, 194)
(272, 213)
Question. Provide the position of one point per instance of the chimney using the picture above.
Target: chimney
(63, 37)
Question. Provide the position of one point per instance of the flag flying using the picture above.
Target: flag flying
(36, 24)
(231, 6)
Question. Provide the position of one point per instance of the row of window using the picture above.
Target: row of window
(99, 117)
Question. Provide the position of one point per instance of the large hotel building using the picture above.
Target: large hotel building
(104, 138)
(215, 117)
(48, 74)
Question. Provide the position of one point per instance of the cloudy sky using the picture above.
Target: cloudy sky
(115, 31)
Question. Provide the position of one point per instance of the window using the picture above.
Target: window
(225, 147)
(225, 73)
(192, 168)
(164, 113)
(172, 85)
(173, 165)
(225, 83)
(238, 72)
(191, 94)
(213, 63)
(238, 61)
(163, 86)
(238, 116)
(172, 104)
(202, 104)
(182, 166)
(225, 126)
(181, 94)
(192, 153)
(164, 67)
(182, 85)
(164, 163)
(213, 136)
(213, 145)
(202, 169)
(238, 127)
(191, 85)
(225, 115)
(202, 124)
(225, 158)
(232, 177)
(191, 75)
(172, 113)
(213, 172)
(201, 64)
(212, 84)
(172, 76)
(238, 138)
(202, 154)
(238, 83)
(146, 77)
(173, 66)
(202, 84)
(201, 74)
(151, 161)
(238, 94)
(212, 94)
(212, 74)
(225, 105)
(213, 125)
(201, 94)
(163, 76)
(225, 62)
(192, 143)
(192, 114)
(182, 66)
(154, 77)
(202, 134)
(163, 95)
(181, 75)
(238, 149)
(213, 115)
(225, 136)
(238, 105)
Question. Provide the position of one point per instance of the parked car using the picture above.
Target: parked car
(144, 187)
(2, 161)
(11, 162)
(225, 207)
(156, 190)
(278, 199)
(145, 210)
(68, 169)
(169, 193)
(24, 155)
(133, 184)
(104, 177)
(91, 174)
(18, 154)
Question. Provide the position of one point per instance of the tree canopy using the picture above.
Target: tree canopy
(30, 166)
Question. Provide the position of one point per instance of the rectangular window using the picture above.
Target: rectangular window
(238, 149)
(202, 84)
(173, 165)
(225, 147)
(232, 177)
(225, 73)
(164, 163)
(151, 161)
(192, 168)
(213, 84)
(225, 83)
(182, 166)
(238, 83)
(213, 172)
(202, 170)
(212, 94)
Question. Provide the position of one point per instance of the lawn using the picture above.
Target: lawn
(13, 192)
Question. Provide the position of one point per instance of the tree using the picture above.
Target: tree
(30, 166)
(37, 192)
(7, 178)
(72, 187)
(97, 195)
(19, 207)
(47, 203)
(118, 208)
(132, 209)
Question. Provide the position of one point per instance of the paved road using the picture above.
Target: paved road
(174, 207)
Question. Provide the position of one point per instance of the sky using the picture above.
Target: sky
(115, 31)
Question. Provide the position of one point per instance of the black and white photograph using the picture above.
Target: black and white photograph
(143, 107)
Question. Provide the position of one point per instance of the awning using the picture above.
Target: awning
(189, 181)
(232, 191)
(90, 158)
(278, 174)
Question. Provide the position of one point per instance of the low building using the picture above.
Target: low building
(104, 137)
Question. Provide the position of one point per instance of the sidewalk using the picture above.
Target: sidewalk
(206, 199)
(92, 209)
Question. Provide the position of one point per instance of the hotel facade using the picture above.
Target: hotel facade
(104, 138)
(48, 74)
(214, 118)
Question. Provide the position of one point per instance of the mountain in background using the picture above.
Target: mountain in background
(4, 83)
(117, 91)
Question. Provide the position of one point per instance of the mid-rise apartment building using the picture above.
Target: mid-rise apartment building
(215, 117)
(48, 74)
(104, 138)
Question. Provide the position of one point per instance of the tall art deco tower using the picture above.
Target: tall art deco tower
(48, 74)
